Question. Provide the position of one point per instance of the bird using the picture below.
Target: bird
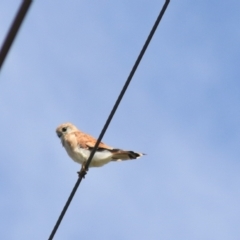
(79, 145)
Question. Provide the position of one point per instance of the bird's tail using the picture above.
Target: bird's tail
(118, 155)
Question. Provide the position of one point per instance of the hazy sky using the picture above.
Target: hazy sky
(68, 64)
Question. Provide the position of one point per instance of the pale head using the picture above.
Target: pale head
(65, 128)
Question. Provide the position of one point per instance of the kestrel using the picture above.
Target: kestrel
(79, 145)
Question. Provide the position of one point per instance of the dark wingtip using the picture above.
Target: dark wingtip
(134, 155)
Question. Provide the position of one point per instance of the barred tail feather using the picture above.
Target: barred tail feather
(119, 154)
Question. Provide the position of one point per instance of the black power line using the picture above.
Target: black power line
(14, 29)
(83, 171)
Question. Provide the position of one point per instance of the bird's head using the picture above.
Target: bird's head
(64, 129)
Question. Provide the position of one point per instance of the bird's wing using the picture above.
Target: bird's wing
(87, 141)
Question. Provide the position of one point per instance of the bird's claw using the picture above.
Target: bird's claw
(82, 173)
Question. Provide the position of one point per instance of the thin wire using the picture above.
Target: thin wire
(127, 82)
(82, 174)
(14, 29)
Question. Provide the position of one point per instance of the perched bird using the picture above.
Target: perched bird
(79, 145)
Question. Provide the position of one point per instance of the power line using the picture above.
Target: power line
(14, 29)
(83, 171)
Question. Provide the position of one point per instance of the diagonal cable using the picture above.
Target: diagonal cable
(81, 174)
(14, 29)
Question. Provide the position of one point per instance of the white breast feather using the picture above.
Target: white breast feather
(81, 155)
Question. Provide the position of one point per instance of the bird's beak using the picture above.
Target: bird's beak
(59, 134)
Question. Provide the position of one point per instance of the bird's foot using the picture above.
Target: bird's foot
(82, 173)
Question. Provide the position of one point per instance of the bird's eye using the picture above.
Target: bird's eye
(64, 129)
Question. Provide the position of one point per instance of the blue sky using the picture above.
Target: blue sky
(69, 63)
